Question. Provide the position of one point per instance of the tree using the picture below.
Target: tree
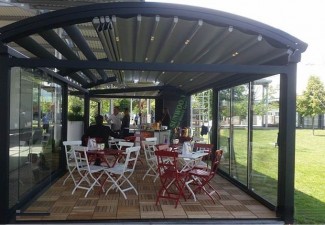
(312, 101)
(75, 108)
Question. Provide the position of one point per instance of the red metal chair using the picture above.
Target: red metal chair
(201, 177)
(162, 147)
(172, 181)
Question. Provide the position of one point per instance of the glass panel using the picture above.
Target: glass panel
(264, 150)
(224, 128)
(201, 115)
(35, 130)
(239, 132)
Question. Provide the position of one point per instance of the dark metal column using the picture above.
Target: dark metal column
(215, 118)
(86, 111)
(287, 129)
(98, 108)
(64, 123)
(4, 133)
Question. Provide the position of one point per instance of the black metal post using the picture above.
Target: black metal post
(64, 123)
(98, 108)
(4, 133)
(286, 171)
(86, 111)
(215, 118)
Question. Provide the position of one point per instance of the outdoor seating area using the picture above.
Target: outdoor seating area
(58, 203)
(174, 69)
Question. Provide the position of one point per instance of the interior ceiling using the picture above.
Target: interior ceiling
(159, 41)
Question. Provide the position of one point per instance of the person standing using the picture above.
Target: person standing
(46, 123)
(136, 119)
(115, 120)
(125, 123)
(165, 119)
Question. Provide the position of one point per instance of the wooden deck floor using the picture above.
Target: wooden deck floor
(58, 204)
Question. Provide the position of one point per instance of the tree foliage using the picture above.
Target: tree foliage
(75, 108)
(312, 101)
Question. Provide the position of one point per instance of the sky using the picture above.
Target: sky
(303, 19)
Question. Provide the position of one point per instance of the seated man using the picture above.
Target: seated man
(100, 131)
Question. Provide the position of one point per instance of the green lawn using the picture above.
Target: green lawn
(309, 171)
(310, 176)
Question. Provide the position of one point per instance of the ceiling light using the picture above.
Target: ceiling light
(259, 37)
(235, 54)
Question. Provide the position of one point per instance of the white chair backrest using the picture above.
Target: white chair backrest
(149, 149)
(152, 139)
(131, 159)
(125, 144)
(68, 151)
(80, 155)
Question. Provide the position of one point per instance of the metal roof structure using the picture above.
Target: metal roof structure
(142, 49)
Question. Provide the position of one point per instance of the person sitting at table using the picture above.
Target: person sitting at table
(99, 130)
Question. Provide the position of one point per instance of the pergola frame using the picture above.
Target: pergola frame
(234, 76)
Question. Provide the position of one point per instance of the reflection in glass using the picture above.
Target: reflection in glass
(224, 128)
(248, 130)
(35, 130)
(264, 150)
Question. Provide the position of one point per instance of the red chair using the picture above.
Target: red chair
(201, 177)
(162, 147)
(130, 138)
(172, 181)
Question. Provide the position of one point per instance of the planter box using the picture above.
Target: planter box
(75, 130)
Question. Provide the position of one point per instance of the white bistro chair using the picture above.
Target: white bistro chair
(151, 139)
(90, 174)
(71, 163)
(120, 174)
(151, 159)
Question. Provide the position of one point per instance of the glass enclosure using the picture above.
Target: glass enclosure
(247, 132)
(35, 130)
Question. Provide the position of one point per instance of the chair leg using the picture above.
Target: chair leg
(71, 176)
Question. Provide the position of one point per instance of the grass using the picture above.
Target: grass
(309, 174)
(309, 169)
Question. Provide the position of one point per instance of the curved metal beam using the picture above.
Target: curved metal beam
(83, 14)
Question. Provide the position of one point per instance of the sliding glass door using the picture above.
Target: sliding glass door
(248, 117)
